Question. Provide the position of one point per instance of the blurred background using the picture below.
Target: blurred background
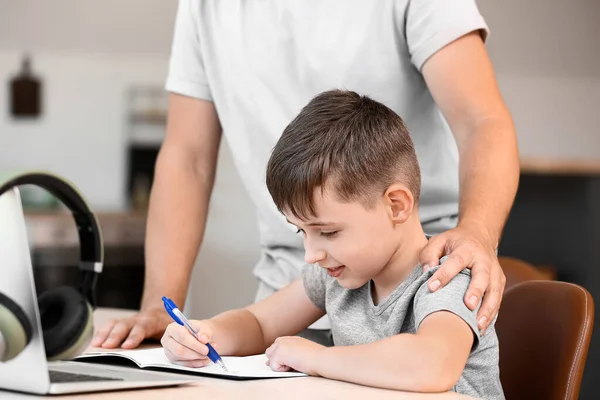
(99, 68)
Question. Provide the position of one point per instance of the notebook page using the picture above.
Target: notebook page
(246, 367)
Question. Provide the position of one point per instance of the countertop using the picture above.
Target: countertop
(560, 166)
(50, 229)
(54, 241)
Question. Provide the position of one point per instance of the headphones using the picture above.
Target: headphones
(65, 312)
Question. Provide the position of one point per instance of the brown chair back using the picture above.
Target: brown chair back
(517, 271)
(544, 329)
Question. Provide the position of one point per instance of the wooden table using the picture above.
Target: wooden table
(213, 388)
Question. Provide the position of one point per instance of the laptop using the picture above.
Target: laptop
(30, 372)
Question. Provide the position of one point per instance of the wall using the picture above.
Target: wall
(545, 54)
(81, 133)
(547, 60)
(88, 54)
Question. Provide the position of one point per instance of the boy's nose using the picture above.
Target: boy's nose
(312, 257)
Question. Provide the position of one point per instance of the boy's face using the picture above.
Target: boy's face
(352, 242)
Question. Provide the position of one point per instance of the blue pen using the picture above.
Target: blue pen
(182, 320)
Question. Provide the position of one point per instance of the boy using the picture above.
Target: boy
(346, 175)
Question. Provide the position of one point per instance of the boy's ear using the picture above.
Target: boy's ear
(400, 202)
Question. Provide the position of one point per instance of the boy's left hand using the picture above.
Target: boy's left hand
(294, 353)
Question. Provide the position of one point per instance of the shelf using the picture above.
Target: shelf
(558, 166)
(156, 118)
(146, 136)
(56, 229)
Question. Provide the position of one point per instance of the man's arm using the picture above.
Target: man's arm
(461, 79)
(183, 182)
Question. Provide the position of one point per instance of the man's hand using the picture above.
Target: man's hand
(294, 353)
(467, 250)
(130, 332)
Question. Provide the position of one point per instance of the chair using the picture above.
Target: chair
(544, 329)
(517, 271)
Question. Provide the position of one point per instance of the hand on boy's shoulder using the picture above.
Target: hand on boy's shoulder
(448, 298)
(454, 290)
(466, 249)
(432, 270)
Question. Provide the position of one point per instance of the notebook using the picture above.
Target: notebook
(240, 368)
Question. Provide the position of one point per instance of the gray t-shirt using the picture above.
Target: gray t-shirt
(260, 62)
(356, 320)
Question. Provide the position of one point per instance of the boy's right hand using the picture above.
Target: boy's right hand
(182, 348)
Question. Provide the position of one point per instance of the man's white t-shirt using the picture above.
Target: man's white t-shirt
(260, 62)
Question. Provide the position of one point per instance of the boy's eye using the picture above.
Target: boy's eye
(329, 234)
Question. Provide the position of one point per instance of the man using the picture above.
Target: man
(245, 68)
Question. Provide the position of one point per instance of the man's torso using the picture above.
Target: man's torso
(264, 60)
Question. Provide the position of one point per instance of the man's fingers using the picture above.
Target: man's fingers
(456, 262)
(117, 334)
(480, 278)
(492, 299)
(135, 337)
(102, 333)
(132, 330)
(432, 252)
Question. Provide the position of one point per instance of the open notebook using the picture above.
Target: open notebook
(251, 367)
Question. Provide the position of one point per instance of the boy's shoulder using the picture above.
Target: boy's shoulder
(457, 284)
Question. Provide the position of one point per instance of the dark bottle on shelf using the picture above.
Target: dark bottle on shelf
(25, 92)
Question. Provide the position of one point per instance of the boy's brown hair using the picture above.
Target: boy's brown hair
(351, 142)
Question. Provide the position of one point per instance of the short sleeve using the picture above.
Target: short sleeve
(314, 279)
(433, 24)
(186, 73)
(448, 298)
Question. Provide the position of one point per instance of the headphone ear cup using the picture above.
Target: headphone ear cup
(66, 322)
(15, 328)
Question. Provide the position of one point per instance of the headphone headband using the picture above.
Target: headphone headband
(90, 234)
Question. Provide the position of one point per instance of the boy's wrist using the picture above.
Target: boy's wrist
(317, 363)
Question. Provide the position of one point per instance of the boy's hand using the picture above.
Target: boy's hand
(294, 353)
(182, 348)
(465, 249)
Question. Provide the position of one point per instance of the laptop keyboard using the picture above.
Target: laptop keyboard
(61, 377)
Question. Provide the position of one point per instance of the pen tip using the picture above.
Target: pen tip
(222, 365)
